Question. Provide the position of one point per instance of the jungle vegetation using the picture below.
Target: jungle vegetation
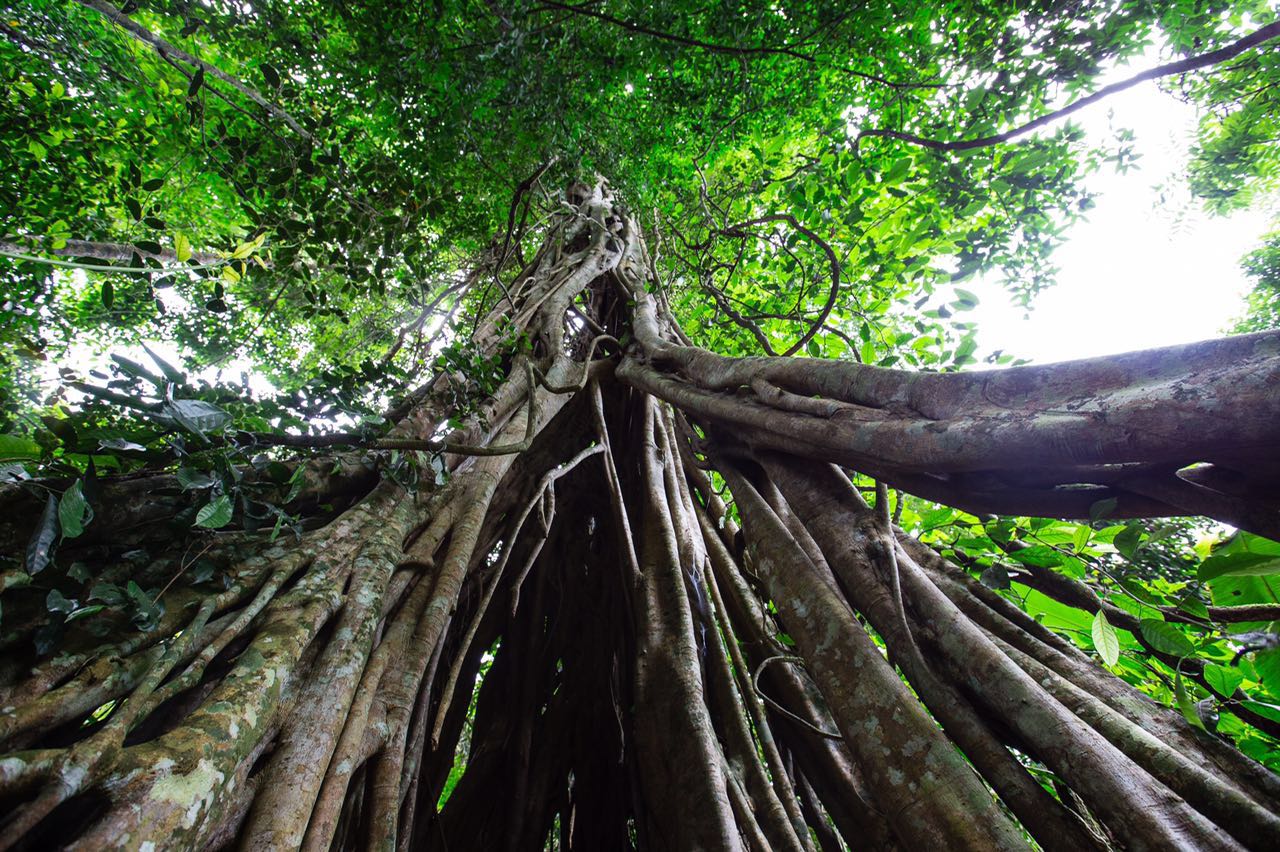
(557, 425)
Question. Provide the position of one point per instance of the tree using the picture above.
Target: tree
(600, 559)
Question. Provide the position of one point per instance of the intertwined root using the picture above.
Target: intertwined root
(577, 633)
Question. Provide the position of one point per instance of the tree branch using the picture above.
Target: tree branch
(834, 262)
(166, 50)
(1181, 66)
(110, 251)
(726, 49)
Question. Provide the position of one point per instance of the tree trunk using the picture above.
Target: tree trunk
(575, 640)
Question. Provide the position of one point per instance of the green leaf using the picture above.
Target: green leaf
(1262, 708)
(55, 601)
(299, 480)
(193, 480)
(133, 368)
(182, 247)
(216, 513)
(1223, 679)
(120, 445)
(40, 547)
(1238, 565)
(1105, 639)
(1166, 638)
(1102, 509)
(1128, 541)
(1250, 543)
(1081, 538)
(1185, 705)
(72, 510)
(1192, 605)
(1039, 556)
(107, 592)
(1267, 664)
(18, 447)
(84, 611)
(196, 415)
(170, 372)
(898, 170)
(146, 612)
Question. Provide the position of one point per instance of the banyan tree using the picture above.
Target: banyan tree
(590, 581)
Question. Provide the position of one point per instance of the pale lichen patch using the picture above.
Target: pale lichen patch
(11, 767)
(192, 790)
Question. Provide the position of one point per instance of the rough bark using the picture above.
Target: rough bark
(579, 622)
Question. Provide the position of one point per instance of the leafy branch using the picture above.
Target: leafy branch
(1181, 66)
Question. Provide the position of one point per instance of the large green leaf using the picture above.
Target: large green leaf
(1224, 679)
(1105, 639)
(1267, 664)
(1185, 705)
(216, 513)
(197, 416)
(1166, 638)
(1038, 555)
(73, 510)
(18, 447)
(1239, 565)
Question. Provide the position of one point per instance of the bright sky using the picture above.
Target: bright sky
(1138, 273)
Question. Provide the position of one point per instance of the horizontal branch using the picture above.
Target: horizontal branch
(972, 439)
(111, 252)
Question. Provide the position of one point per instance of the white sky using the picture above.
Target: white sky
(1136, 274)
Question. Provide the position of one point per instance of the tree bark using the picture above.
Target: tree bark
(577, 640)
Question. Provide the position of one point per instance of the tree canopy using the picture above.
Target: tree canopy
(288, 284)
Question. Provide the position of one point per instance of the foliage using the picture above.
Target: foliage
(298, 238)
(330, 199)
(1263, 266)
